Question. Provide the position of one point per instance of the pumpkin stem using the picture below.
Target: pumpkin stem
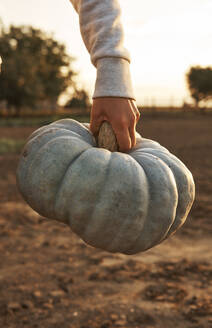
(106, 138)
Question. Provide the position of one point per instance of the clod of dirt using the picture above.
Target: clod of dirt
(13, 306)
(198, 307)
(164, 293)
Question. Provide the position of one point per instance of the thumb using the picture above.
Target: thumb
(95, 124)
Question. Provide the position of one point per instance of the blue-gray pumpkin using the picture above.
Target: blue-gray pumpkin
(118, 202)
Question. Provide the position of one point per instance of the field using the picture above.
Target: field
(50, 279)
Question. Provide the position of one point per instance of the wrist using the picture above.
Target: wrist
(113, 78)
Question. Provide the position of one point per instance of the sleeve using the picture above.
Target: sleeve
(103, 35)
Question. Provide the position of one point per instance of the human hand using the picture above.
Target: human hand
(121, 113)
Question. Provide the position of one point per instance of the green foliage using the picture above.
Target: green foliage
(80, 99)
(8, 145)
(35, 67)
(199, 80)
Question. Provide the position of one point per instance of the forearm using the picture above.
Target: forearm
(102, 33)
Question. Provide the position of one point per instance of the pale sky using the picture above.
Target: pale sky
(164, 38)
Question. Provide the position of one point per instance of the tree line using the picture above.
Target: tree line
(37, 69)
(199, 81)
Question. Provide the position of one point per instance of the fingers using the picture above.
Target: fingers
(132, 135)
(122, 114)
(95, 126)
(95, 123)
(123, 139)
(136, 111)
(125, 132)
(133, 122)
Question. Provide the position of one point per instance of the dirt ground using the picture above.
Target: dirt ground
(49, 278)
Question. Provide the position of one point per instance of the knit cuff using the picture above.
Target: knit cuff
(113, 78)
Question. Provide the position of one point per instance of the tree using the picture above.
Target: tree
(35, 67)
(199, 80)
(80, 99)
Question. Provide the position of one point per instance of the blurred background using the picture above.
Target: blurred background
(166, 39)
(48, 276)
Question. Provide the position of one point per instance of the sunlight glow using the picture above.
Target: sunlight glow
(164, 37)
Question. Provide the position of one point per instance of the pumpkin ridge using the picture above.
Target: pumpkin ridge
(84, 194)
(47, 131)
(51, 141)
(35, 157)
(115, 239)
(142, 245)
(86, 231)
(186, 174)
(41, 131)
(146, 183)
(31, 142)
(66, 170)
(25, 157)
(82, 131)
(180, 173)
(111, 247)
(144, 143)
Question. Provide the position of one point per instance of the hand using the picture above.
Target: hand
(121, 113)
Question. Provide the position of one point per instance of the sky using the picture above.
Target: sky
(164, 38)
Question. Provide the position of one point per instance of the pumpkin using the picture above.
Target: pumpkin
(118, 202)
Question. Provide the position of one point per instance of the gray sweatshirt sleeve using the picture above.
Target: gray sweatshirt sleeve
(102, 33)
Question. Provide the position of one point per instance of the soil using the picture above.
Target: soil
(50, 278)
